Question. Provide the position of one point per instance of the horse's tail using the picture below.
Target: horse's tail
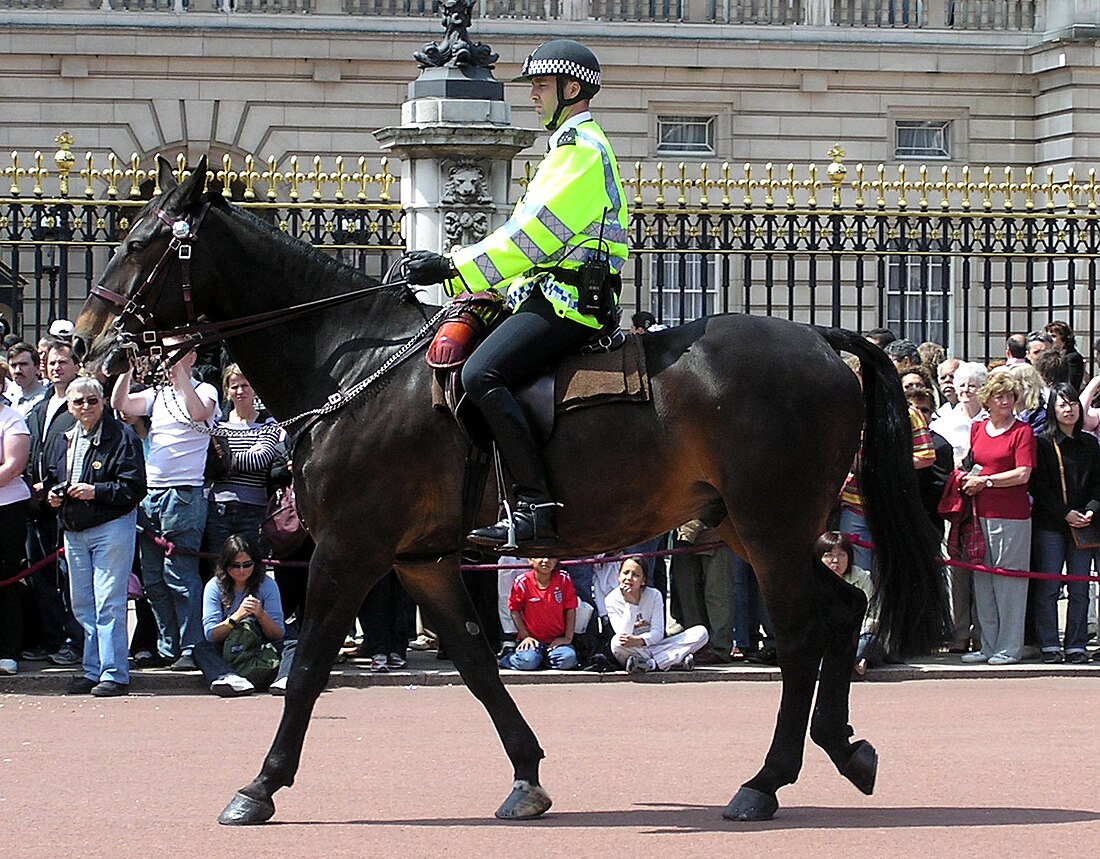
(912, 592)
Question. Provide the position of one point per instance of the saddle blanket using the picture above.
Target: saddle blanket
(589, 380)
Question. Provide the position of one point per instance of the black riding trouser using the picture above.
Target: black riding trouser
(521, 347)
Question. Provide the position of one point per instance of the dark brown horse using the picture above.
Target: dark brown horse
(754, 421)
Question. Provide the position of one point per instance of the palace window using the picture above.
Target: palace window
(918, 301)
(922, 138)
(694, 134)
(683, 287)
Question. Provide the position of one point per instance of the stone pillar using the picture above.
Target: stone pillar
(456, 168)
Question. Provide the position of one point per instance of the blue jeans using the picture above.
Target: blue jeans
(749, 611)
(172, 582)
(209, 660)
(100, 558)
(225, 518)
(854, 522)
(1052, 549)
(563, 657)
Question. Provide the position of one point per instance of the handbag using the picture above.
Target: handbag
(251, 655)
(219, 459)
(1083, 538)
(282, 529)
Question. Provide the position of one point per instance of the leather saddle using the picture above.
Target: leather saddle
(609, 368)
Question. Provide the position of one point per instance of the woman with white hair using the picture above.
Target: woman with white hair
(96, 476)
(955, 424)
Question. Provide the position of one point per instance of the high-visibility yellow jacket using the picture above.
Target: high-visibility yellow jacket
(556, 224)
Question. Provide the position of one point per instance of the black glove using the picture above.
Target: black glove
(427, 267)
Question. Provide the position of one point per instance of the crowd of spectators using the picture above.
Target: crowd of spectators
(116, 476)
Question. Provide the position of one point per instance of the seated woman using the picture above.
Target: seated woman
(835, 551)
(240, 592)
(637, 615)
(543, 605)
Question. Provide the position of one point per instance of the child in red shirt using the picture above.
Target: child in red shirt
(543, 605)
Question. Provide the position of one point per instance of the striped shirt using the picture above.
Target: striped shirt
(253, 453)
(852, 496)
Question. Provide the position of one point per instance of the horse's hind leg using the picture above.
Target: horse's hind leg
(439, 590)
(829, 728)
(331, 605)
(785, 582)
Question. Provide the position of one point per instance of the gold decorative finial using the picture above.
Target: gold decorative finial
(836, 171)
(64, 159)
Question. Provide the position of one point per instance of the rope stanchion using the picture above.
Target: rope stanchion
(33, 568)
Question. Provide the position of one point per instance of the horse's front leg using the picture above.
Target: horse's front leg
(439, 590)
(331, 604)
(829, 727)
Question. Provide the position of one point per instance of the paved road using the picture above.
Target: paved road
(969, 768)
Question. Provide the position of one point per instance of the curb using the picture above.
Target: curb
(52, 681)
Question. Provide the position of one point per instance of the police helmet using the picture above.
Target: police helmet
(565, 58)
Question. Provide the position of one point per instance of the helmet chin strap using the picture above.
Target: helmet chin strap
(563, 102)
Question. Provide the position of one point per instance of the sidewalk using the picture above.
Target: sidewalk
(424, 669)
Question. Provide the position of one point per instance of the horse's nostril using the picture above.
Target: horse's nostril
(80, 348)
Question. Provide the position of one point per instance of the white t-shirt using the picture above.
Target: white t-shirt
(177, 452)
(12, 423)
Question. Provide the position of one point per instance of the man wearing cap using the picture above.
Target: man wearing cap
(565, 237)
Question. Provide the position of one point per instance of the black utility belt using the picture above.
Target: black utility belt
(575, 277)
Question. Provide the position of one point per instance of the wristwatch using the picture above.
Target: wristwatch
(232, 621)
(989, 483)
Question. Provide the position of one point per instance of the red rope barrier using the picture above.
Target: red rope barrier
(997, 571)
(33, 568)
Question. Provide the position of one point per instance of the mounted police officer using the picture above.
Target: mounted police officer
(556, 261)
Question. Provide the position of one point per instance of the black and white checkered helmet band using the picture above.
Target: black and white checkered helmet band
(533, 68)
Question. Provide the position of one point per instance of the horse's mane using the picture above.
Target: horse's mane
(324, 267)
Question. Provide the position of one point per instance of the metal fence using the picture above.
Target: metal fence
(959, 256)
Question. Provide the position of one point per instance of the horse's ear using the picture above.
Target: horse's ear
(191, 191)
(166, 177)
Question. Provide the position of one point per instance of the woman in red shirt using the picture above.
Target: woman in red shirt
(1003, 452)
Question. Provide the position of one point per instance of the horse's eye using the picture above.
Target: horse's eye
(135, 246)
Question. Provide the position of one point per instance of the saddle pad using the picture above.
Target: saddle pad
(590, 380)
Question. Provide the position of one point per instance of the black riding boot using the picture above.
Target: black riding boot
(533, 516)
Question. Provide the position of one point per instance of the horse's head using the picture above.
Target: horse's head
(141, 288)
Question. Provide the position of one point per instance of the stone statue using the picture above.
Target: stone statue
(456, 50)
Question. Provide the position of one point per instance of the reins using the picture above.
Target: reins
(196, 334)
(188, 337)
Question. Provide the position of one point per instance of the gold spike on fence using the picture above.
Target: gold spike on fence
(107, 177)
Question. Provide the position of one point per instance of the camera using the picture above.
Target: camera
(60, 489)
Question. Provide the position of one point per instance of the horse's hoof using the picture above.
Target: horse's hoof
(862, 767)
(750, 804)
(524, 802)
(244, 811)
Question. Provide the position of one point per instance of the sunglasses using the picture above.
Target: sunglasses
(233, 565)
(79, 402)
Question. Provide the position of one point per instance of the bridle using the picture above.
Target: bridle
(151, 341)
(144, 339)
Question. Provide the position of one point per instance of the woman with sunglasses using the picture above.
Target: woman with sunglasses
(240, 592)
(95, 474)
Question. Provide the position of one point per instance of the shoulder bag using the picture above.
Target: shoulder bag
(282, 530)
(1083, 538)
